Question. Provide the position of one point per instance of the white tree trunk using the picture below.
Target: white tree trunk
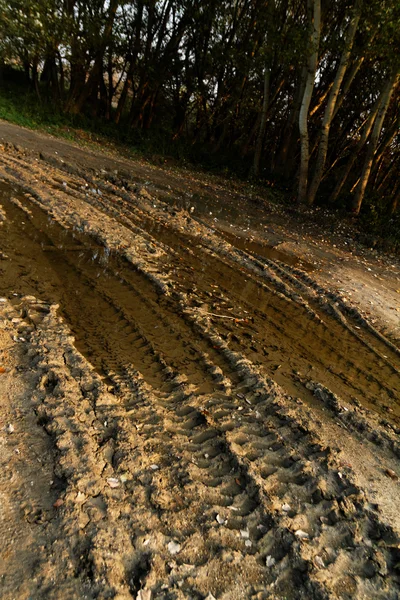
(314, 20)
(330, 107)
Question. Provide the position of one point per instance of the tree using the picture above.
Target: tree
(314, 24)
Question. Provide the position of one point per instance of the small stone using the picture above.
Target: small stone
(80, 498)
(270, 561)
(220, 520)
(154, 467)
(302, 535)
(174, 548)
(248, 543)
(113, 482)
(319, 562)
(210, 596)
(144, 595)
(10, 428)
(285, 507)
(391, 474)
(324, 520)
(245, 533)
(58, 503)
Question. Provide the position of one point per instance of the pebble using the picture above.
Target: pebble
(113, 482)
(245, 533)
(285, 507)
(220, 520)
(320, 562)
(301, 534)
(10, 428)
(210, 596)
(144, 595)
(270, 561)
(391, 474)
(174, 547)
(324, 520)
(154, 467)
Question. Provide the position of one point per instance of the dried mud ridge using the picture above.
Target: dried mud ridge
(182, 380)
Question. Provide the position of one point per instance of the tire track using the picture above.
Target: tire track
(186, 461)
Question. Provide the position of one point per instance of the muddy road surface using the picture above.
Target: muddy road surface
(186, 412)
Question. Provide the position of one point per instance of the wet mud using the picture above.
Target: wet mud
(183, 376)
(114, 311)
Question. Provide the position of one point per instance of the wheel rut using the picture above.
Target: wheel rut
(189, 470)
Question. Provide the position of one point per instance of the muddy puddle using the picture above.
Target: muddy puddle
(279, 335)
(120, 322)
(110, 308)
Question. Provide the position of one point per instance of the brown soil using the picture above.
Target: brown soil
(199, 392)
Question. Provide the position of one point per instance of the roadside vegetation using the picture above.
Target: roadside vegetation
(302, 96)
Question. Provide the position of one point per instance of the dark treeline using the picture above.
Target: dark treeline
(304, 92)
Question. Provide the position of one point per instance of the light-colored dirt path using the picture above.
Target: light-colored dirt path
(221, 420)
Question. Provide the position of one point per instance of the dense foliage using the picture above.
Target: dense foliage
(300, 92)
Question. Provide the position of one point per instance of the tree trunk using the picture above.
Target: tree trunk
(131, 69)
(124, 94)
(96, 72)
(263, 123)
(35, 79)
(385, 101)
(349, 80)
(395, 201)
(285, 154)
(314, 20)
(330, 107)
(356, 151)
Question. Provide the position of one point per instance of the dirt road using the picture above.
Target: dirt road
(197, 399)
